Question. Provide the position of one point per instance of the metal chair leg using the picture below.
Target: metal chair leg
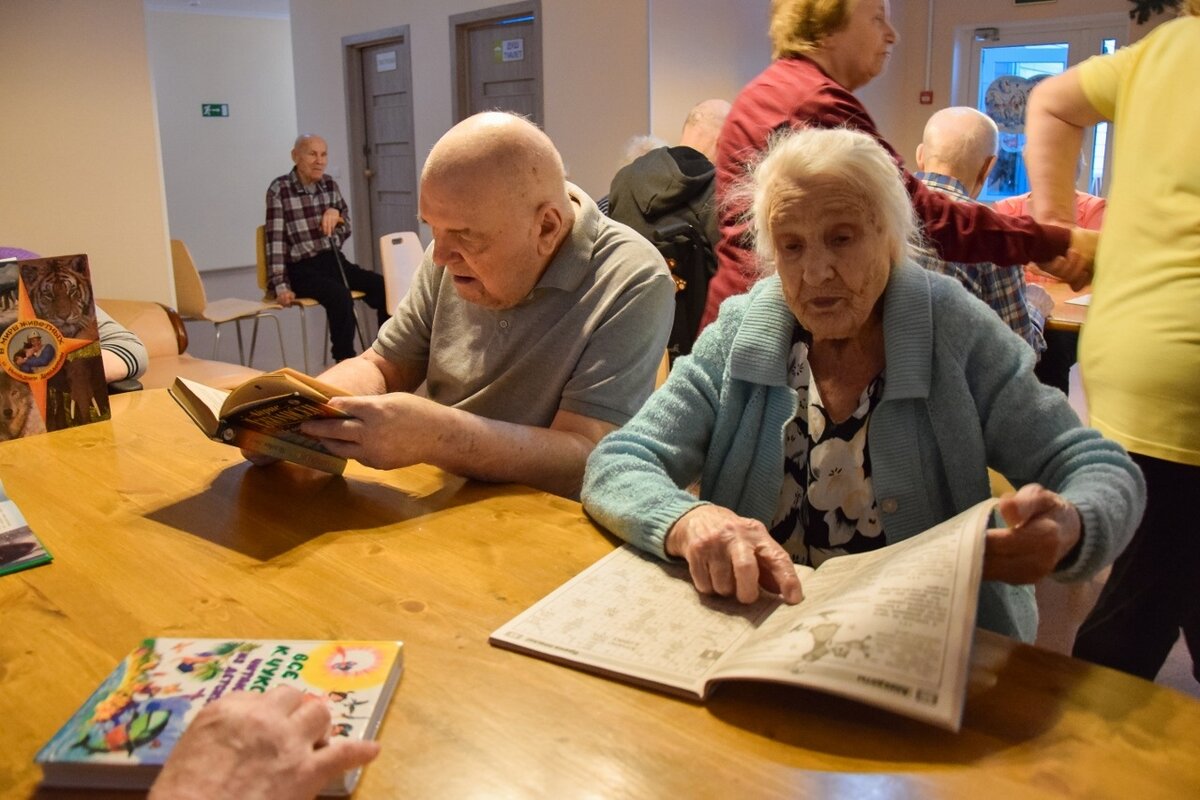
(237, 326)
(254, 338)
(278, 333)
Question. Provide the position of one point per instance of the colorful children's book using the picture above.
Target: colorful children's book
(51, 373)
(263, 415)
(19, 548)
(124, 732)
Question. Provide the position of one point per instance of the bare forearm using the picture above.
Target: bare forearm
(1051, 166)
(489, 450)
(371, 374)
(114, 368)
(397, 429)
(1054, 125)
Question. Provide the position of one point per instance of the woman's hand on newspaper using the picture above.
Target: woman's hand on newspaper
(1042, 529)
(732, 555)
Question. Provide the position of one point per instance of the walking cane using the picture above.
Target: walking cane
(337, 255)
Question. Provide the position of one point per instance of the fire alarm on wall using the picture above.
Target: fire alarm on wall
(926, 98)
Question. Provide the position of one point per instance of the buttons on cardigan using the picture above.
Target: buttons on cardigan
(889, 505)
(503, 324)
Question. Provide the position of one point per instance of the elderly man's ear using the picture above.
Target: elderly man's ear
(550, 224)
(981, 179)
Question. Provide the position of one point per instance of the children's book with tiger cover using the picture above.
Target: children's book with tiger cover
(263, 415)
(121, 736)
(51, 373)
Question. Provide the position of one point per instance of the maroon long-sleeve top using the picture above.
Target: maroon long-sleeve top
(796, 92)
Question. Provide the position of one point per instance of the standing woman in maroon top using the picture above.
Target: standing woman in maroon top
(823, 51)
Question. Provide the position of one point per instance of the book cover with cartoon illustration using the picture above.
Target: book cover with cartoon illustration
(51, 373)
(120, 737)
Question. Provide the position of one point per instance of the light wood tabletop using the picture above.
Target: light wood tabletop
(157, 531)
(1066, 316)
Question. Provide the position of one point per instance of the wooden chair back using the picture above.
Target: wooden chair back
(189, 289)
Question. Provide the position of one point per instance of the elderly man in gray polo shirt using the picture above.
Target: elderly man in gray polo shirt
(536, 323)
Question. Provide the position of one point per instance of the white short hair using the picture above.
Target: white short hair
(797, 156)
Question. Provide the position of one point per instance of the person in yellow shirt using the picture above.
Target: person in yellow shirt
(1140, 348)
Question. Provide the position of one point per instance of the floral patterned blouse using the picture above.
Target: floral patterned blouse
(827, 504)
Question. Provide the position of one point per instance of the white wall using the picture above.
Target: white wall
(217, 169)
(594, 66)
(81, 167)
(701, 49)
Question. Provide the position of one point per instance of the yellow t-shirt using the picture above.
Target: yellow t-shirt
(1140, 348)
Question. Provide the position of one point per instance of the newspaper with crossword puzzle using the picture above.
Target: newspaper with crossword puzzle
(892, 627)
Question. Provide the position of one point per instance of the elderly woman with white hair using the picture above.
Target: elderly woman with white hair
(852, 400)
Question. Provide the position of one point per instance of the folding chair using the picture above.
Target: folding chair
(195, 306)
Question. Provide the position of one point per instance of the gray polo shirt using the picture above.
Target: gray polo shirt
(588, 339)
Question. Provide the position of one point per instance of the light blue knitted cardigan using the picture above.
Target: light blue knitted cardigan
(959, 396)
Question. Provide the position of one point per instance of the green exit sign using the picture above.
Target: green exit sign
(214, 109)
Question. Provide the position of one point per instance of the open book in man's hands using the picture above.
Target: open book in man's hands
(892, 627)
(263, 415)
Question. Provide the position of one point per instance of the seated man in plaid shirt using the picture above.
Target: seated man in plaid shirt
(955, 158)
(307, 223)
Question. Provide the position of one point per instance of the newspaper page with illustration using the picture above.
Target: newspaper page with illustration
(892, 628)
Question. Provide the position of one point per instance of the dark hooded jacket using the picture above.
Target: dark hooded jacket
(666, 185)
(660, 190)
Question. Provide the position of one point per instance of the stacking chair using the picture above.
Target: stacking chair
(195, 306)
(300, 303)
(400, 254)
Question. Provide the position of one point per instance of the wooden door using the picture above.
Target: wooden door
(388, 150)
(498, 61)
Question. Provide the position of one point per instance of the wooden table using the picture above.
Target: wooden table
(1066, 316)
(156, 531)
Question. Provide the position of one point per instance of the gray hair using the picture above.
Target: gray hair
(304, 137)
(795, 157)
(637, 146)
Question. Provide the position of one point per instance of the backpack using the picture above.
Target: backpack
(692, 262)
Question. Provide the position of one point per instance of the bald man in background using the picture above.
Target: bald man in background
(536, 323)
(955, 157)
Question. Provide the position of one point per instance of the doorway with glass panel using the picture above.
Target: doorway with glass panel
(997, 66)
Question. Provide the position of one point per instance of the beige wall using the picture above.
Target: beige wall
(595, 66)
(217, 168)
(81, 157)
(893, 100)
(596, 72)
(701, 49)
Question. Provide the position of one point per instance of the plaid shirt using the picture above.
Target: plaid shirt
(1002, 288)
(294, 223)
